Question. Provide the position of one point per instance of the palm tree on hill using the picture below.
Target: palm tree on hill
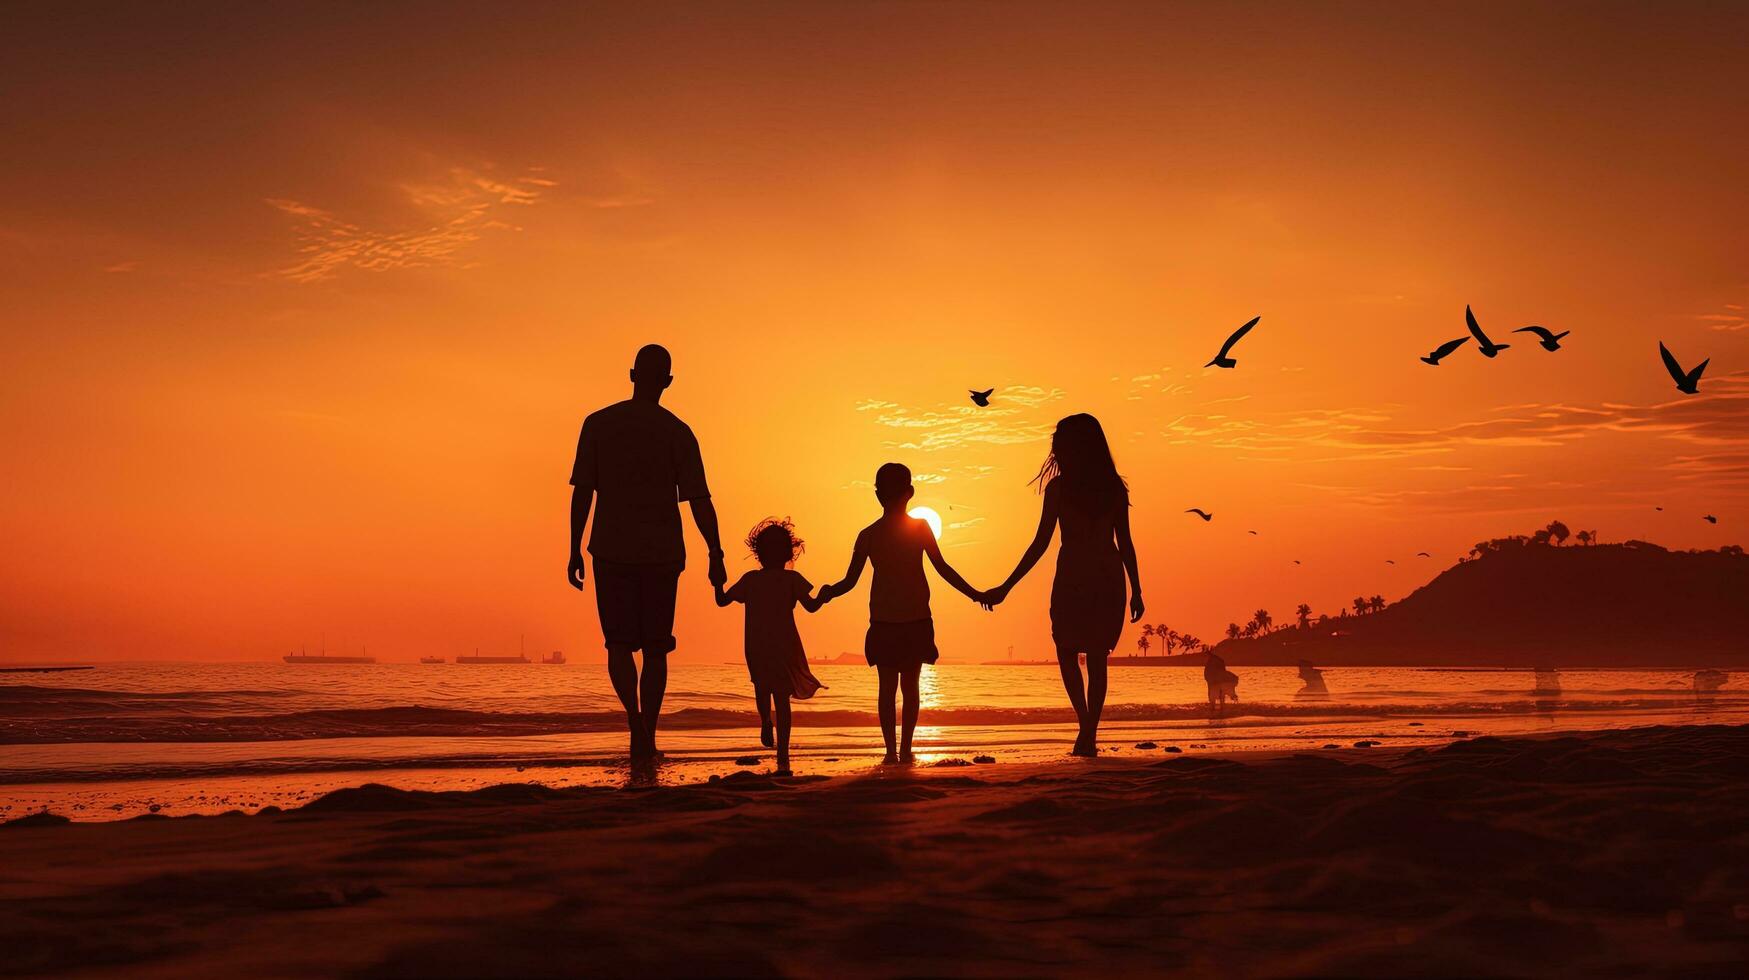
(1360, 605)
(1557, 533)
(1262, 619)
(1190, 643)
(1584, 538)
(1233, 631)
(1142, 643)
(1304, 612)
(1376, 603)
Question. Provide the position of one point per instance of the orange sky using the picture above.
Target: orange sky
(302, 312)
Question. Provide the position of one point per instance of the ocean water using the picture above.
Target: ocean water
(121, 739)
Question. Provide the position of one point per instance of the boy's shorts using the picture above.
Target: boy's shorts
(636, 605)
(900, 645)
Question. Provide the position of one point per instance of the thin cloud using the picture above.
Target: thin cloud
(1718, 417)
(1010, 420)
(460, 211)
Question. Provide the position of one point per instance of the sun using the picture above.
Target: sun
(929, 516)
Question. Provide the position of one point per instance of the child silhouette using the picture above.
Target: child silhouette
(775, 659)
(901, 633)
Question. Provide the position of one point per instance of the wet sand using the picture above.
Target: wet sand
(1615, 852)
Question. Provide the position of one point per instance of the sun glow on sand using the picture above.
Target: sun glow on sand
(928, 515)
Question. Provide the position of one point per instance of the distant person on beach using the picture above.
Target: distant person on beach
(775, 659)
(901, 632)
(1085, 496)
(1314, 680)
(1222, 683)
(636, 462)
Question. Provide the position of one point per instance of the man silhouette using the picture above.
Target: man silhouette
(640, 461)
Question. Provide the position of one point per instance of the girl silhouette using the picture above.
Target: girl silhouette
(776, 662)
(1085, 496)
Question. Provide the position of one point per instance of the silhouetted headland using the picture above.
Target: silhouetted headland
(1520, 603)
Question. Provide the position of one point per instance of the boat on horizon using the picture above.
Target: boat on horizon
(432, 660)
(556, 657)
(843, 658)
(323, 658)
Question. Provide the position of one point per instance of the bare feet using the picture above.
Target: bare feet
(906, 758)
(1086, 746)
(783, 766)
(644, 748)
(890, 759)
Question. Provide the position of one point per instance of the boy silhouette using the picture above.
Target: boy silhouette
(901, 632)
(640, 461)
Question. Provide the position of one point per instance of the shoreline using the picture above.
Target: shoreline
(1601, 851)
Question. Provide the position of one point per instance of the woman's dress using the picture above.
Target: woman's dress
(1088, 595)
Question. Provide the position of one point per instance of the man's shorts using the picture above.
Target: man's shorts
(636, 604)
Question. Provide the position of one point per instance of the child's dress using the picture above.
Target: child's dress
(775, 658)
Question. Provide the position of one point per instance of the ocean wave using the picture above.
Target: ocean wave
(425, 721)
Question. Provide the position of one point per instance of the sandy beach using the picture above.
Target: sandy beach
(1615, 852)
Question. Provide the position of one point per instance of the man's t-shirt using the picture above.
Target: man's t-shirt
(641, 461)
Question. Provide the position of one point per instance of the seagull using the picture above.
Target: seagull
(1221, 359)
(1710, 519)
(982, 398)
(1488, 347)
(1422, 554)
(1198, 511)
(1444, 349)
(1657, 508)
(1389, 562)
(1296, 561)
(1687, 382)
(1551, 340)
(1250, 532)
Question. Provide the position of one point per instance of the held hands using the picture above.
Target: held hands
(992, 598)
(825, 594)
(718, 575)
(574, 571)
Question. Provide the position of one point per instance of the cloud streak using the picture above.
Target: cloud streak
(1009, 421)
(459, 212)
(1717, 418)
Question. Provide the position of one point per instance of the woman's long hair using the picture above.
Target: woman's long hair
(1081, 458)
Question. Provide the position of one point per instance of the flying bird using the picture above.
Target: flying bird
(1550, 339)
(982, 398)
(1439, 352)
(1422, 554)
(1687, 382)
(1221, 359)
(1296, 561)
(1250, 532)
(1657, 508)
(1389, 562)
(1710, 519)
(1198, 511)
(1488, 347)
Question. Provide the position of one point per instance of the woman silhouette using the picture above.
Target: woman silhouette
(1085, 496)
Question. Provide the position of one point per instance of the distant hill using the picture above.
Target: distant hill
(1629, 605)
